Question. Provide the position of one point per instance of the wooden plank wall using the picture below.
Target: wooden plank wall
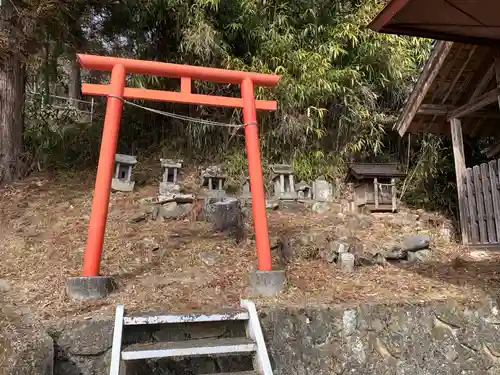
(482, 195)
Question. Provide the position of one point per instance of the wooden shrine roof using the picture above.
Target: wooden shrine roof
(455, 74)
(464, 21)
(374, 170)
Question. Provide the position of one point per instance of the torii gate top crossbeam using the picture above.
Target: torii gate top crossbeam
(157, 68)
(186, 73)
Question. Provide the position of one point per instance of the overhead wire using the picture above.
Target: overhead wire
(177, 116)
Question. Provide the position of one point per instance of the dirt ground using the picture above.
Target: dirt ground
(43, 230)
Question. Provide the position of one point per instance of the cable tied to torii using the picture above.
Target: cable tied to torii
(179, 117)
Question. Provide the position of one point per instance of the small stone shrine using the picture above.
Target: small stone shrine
(322, 190)
(171, 170)
(284, 186)
(245, 189)
(214, 181)
(122, 179)
(375, 185)
(303, 190)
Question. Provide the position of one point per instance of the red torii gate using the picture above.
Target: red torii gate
(116, 92)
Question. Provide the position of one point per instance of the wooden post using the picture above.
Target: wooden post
(375, 191)
(497, 72)
(393, 193)
(458, 154)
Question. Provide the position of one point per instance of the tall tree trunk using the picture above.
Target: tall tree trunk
(75, 80)
(46, 74)
(12, 78)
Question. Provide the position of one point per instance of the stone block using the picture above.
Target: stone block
(322, 191)
(86, 338)
(268, 283)
(90, 287)
(333, 250)
(288, 196)
(347, 262)
(84, 347)
(121, 185)
(227, 214)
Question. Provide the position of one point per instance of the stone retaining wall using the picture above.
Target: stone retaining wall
(435, 339)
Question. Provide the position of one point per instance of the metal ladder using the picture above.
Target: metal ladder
(252, 344)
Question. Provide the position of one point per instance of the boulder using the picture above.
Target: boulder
(416, 242)
(395, 253)
(369, 259)
(210, 258)
(4, 286)
(320, 207)
(84, 347)
(173, 210)
(333, 250)
(420, 255)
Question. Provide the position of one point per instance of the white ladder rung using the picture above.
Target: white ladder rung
(188, 318)
(201, 347)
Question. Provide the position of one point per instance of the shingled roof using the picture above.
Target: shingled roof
(374, 170)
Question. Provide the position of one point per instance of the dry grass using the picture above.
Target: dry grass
(158, 266)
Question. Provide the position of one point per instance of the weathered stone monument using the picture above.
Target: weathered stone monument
(171, 171)
(214, 180)
(284, 185)
(322, 190)
(226, 215)
(245, 189)
(303, 190)
(122, 180)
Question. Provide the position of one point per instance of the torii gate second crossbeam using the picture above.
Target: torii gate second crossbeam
(116, 92)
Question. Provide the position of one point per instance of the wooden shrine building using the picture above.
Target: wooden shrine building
(375, 185)
(457, 94)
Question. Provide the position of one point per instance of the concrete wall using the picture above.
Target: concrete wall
(435, 339)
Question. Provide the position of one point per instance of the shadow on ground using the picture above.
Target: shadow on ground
(484, 274)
